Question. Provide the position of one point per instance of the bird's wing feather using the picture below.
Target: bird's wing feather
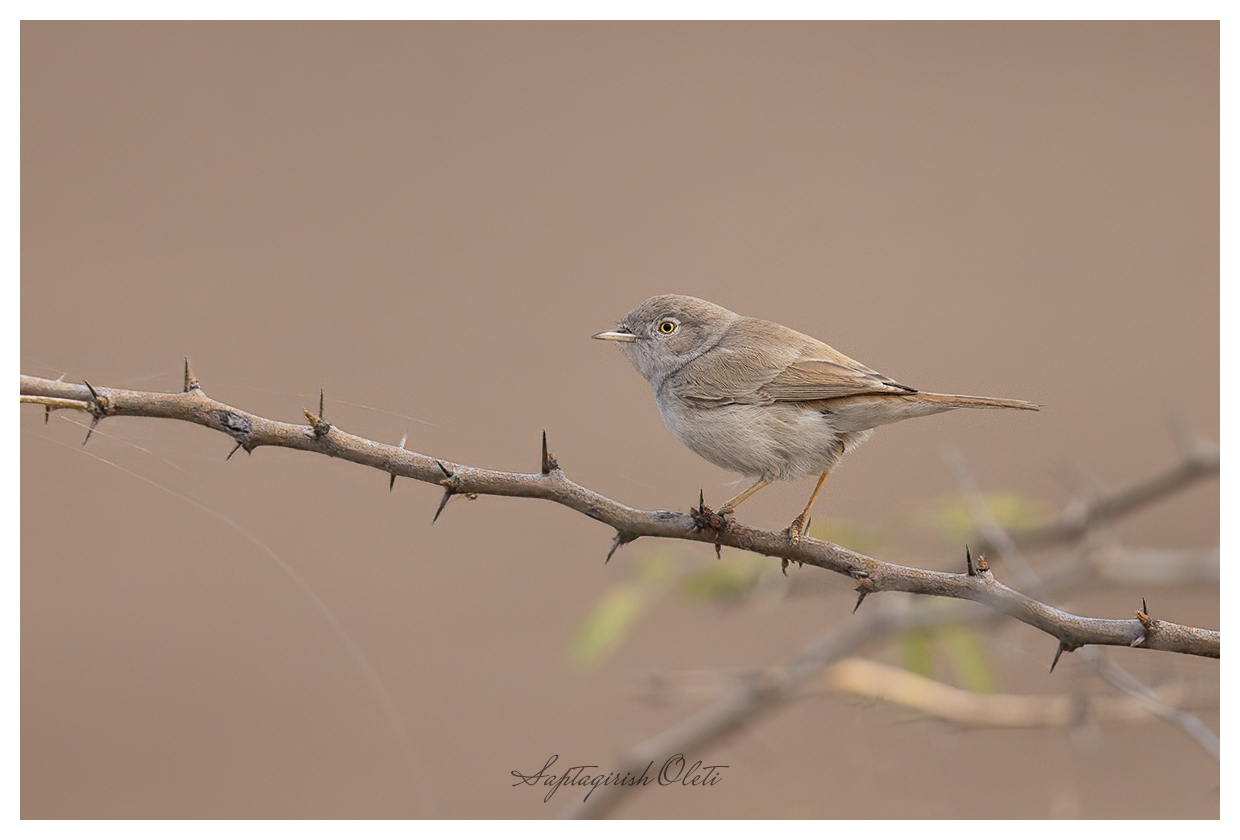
(760, 362)
(829, 376)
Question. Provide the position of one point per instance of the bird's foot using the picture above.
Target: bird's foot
(796, 529)
(704, 518)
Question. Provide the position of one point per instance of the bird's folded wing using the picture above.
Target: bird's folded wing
(824, 379)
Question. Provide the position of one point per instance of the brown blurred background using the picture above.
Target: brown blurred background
(429, 220)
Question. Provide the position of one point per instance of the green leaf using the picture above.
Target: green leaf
(724, 580)
(915, 651)
(1008, 510)
(973, 672)
(960, 646)
(857, 539)
(608, 623)
(613, 617)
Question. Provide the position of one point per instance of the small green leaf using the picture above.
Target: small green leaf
(613, 617)
(1009, 511)
(857, 539)
(723, 580)
(608, 623)
(973, 672)
(915, 652)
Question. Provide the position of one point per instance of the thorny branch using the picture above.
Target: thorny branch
(871, 576)
(752, 695)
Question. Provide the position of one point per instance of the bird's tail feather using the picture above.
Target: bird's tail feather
(959, 401)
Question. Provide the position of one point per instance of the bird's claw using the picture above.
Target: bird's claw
(706, 519)
(796, 529)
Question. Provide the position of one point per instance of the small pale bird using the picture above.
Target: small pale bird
(761, 399)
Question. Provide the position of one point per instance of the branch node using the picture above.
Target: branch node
(238, 427)
(549, 463)
(1148, 622)
(449, 489)
(705, 519)
(98, 407)
(318, 425)
(401, 446)
(1143, 616)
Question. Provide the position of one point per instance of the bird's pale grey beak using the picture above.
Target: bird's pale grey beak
(618, 334)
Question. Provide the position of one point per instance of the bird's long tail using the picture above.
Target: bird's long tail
(959, 401)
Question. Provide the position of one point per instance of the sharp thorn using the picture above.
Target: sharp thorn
(94, 421)
(228, 457)
(191, 381)
(90, 388)
(47, 414)
(392, 483)
(548, 462)
(320, 400)
(968, 561)
(1058, 652)
(447, 494)
(861, 593)
(444, 470)
(620, 539)
(1144, 608)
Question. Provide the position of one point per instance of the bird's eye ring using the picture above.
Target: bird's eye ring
(667, 327)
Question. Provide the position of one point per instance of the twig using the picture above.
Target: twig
(1150, 700)
(1029, 579)
(251, 431)
(1199, 462)
(866, 678)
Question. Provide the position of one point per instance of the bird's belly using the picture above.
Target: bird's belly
(780, 442)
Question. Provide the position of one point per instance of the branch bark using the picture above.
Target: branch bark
(976, 583)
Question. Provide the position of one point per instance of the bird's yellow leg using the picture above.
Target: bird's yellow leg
(798, 524)
(731, 504)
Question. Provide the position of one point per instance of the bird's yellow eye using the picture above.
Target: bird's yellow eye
(667, 327)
